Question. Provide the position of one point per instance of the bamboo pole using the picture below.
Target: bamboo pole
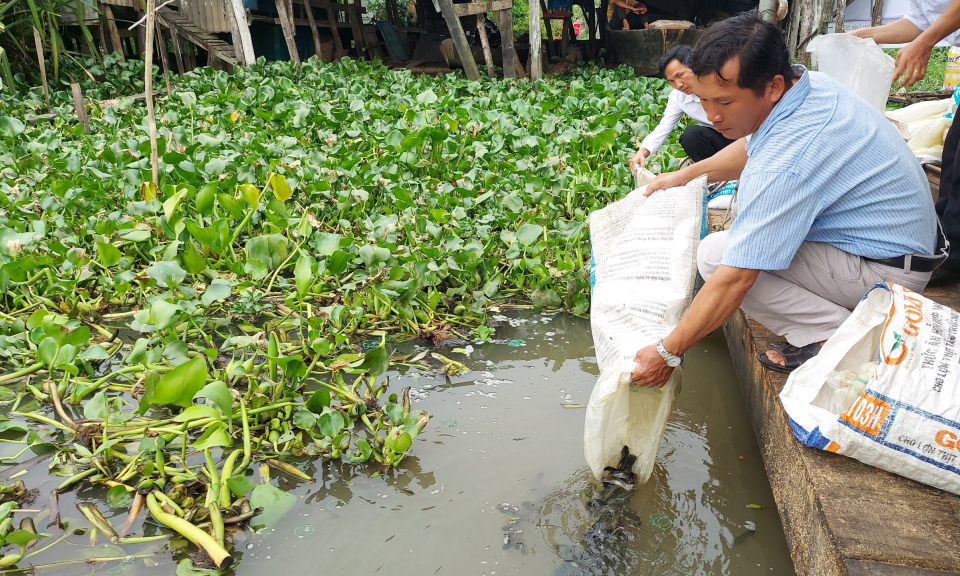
(148, 92)
(535, 69)
(485, 43)
(38, 41)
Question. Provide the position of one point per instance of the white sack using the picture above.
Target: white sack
(857, 63)
(643, 269)
(907, 419)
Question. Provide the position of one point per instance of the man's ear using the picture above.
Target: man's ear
(775, 88)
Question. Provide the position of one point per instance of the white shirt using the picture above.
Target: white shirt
(678, 104)
(922, 13)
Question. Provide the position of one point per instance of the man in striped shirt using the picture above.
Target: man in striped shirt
(831, 200)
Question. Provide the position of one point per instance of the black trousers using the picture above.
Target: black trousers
(948, 205)
(702, 142)
(636, 21)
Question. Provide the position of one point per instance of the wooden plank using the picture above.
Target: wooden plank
(314, 31)
(472, 8)
(505, 23)
(485, 43)
(548, 24)
(78, 107)
(284, 9)
(460, 39)
(38, 42)
(339, 52)
(536, 71)
(245, 54)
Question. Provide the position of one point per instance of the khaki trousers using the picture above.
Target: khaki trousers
(808, 301)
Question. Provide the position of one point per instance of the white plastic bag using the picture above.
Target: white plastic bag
(857, 63)
(907, 418)
(643, 268)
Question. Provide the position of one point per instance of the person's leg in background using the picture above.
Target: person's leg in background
(702, 142)
(948, 208)
(619, 15)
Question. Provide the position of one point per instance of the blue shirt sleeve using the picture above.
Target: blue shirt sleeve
(776, 211)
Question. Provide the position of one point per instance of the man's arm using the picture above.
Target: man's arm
(726, 164)
(717, 301)
(912, 59)
(671, 117)
(899, 32)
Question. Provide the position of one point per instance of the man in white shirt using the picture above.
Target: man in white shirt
(700, 141)
(926, 23)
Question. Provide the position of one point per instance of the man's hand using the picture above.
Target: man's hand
(639, 160)
(911, 63)
(666, 180)
(651, 371)
(636, 9)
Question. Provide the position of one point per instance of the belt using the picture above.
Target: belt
(911, 262)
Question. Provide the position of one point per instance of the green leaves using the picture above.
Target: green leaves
(331, 424)
(528, 233)
(167, 274)
(271, 250)
(10, 126)
(178, 386)
(281, 190)
(303, 274)
(274, 502)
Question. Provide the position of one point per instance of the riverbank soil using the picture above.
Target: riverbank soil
(842, 517)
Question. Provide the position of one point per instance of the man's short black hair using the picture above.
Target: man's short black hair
(676, 53)
(760, 46)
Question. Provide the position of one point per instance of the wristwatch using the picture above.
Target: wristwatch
(671, 360)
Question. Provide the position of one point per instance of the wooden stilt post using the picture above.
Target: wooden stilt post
(142, 44)
(548, 24)
(175, 40)
(332, 20)
(313, 29)
(355, 22)
(485, 44)
(162, 47)
(510, 59)
(535, 69)
(876, 15)
(245, 47)
(148, 91)
(289, 32)
(79, 107)
(114, 33)
(460, 39)
(38, 41)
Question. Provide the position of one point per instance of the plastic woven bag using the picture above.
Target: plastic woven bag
(857, 63)
(643, 269)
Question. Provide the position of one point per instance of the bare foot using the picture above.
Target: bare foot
(776, 357)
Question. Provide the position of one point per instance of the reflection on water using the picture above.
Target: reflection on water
(497, 483)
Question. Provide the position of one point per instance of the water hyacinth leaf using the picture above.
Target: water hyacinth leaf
(269, 249)
(362, 453)
(395, 412)
(96, 408)
(164, 314)
(398, 440)
(176, 352)
(281, 190)
(214, 435)
(249, 194)
(240, 485)
(274, 502)
(331, 424)
(214, 292)
(427, 97)
(528, 233)
(305, 420)
(10, 126)
(47, 351)
(197, 412)
(109, 254)
(23, 537)
(118, 497)
(318, 401)
(205, 197)
(167, 274)
(375, 362)
(179, 386)
(303, 274)
(95, 352)
(139, 352)
(326, 244)
(218, 393)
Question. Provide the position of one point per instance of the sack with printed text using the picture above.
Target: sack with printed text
(884, 388)
(643, 267)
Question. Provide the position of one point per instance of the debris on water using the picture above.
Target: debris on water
(303, 530)
(335, 503)
(508, 508)
(526, 397)
(506, 539)
(661, 521)
(571, 405)
(749, 529)
(250, 546)
(517, 343)
(755, 506)
(567, 396)
(450, 423)
(466, 351)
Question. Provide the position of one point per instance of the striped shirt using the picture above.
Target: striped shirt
(826, 167)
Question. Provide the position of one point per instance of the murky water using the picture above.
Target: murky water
(497, 483)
